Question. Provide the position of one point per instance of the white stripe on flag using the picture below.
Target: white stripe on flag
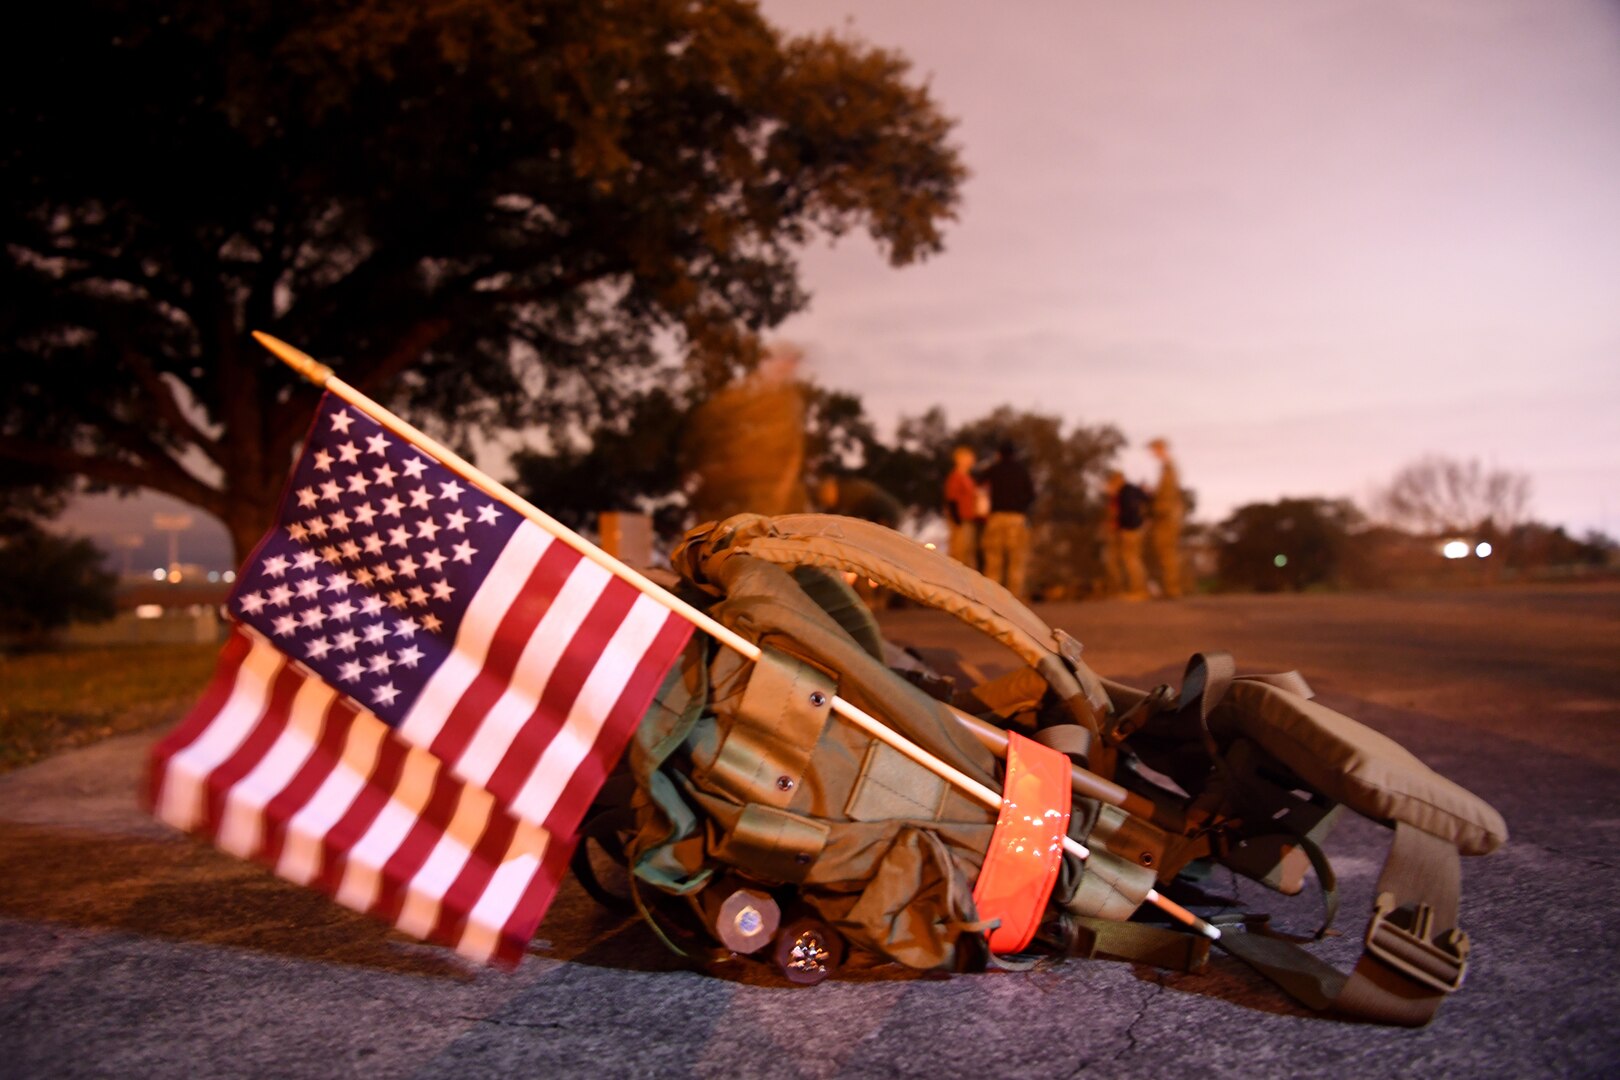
(503, 893)
(596, 699)
(362, 875)
(241, 828)
(551, 638)
(441, 868)
(301, 853)
(483, 617)
(183, 796)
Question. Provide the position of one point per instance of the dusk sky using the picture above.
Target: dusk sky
(1309, 240)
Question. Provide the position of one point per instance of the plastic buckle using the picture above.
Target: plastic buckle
(1124, 725)
(1403, 937)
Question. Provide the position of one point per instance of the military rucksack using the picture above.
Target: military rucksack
(747, 815)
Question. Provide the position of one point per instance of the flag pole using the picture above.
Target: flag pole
(323, 376)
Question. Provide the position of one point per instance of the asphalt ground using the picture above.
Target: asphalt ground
(127, 950)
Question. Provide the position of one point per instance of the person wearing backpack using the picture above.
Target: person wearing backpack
(1005, 542)
(1130, 515)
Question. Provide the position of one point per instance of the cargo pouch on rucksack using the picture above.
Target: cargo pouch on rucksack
(739, 775)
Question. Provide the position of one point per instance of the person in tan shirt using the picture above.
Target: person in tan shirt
(1169, 508)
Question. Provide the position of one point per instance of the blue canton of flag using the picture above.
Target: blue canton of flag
(377, 552)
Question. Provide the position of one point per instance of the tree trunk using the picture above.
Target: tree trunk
(247, 524)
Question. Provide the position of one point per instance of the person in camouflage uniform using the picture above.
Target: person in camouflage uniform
(1169, 508)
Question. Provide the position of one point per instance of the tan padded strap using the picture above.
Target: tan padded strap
(900, 564)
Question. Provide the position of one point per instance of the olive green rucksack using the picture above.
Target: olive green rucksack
(748, 816)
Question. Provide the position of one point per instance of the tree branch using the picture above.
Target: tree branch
(116, 471)
(168, 407)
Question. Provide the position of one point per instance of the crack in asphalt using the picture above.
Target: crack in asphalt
(1141, 1014)
(552, 1025)
(1158, 988)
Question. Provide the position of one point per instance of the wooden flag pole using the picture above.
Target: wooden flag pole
(323, 376)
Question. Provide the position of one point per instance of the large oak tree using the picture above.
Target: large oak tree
(488, 212)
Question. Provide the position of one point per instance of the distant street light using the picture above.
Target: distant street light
(174, 525)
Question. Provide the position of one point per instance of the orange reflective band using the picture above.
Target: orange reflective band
(1022, 864)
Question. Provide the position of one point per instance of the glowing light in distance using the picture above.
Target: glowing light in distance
(1455, 549)
(149, 611)
(1280, 561)
(1483, 549)
(159, 574)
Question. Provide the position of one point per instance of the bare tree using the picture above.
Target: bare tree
(1445, 495)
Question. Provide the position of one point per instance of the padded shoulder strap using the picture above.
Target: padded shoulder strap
(903, 566)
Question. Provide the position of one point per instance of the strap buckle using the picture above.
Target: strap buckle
(1123, 725)
(1403, 937)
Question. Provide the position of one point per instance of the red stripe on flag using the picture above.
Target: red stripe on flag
(463, 893)
(525, 918)
(368, 802)
(407, 860)
(231, 658)
(517, 625)
(578, 660)
(620, 724)
(267, 729)
(311, 774)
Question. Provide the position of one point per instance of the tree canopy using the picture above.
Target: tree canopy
(483, 211)
(1290, 544)
(1436, 495)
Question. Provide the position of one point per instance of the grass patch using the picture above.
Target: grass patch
(50, 701)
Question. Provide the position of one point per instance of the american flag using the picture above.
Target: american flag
(421, 696)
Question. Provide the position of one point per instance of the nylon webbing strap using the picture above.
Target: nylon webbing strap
(1407, 970)
(1026, 849)
(1140, 943)
(1414, 956)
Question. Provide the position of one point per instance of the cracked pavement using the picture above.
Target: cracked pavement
(127, 950)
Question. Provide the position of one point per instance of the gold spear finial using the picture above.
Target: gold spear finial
(300, 361)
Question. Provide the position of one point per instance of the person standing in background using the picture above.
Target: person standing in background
(1005, 542)
(743, 449)
(1112, 583)
(1169, 508)
(1130, 512)
(962, 508)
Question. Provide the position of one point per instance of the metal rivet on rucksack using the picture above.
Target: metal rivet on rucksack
(817, 698)
(1147, 858)
(784, 783)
